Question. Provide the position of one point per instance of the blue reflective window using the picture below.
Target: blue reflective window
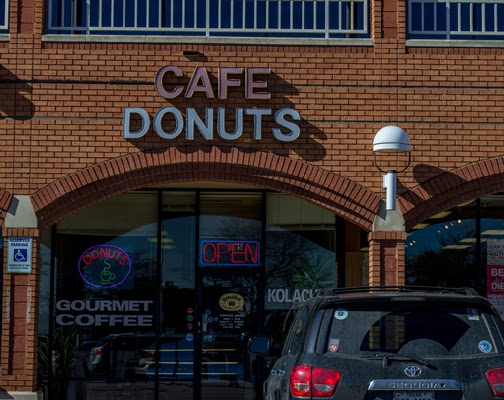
(455, 19)
(273, 18)
(4, 16)
(450, 249)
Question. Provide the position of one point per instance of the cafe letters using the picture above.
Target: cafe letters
(251, 79)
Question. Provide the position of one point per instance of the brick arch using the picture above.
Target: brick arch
(5, 200)
(451, 189)
(205, 163)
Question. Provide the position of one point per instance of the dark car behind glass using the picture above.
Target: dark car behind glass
(176, 361)
(390, 343)
(116, 356)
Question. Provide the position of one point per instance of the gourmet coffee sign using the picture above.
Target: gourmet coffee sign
(99, 312)
(214, 121)
(104, 266)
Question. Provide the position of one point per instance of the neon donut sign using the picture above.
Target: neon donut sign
(104, 266)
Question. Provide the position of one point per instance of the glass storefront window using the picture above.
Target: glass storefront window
(229, 259)
(155, 293)
(443, 253)
(452, 247)
(230, 216)
(171, 358)
(103, 300)
(300, 258)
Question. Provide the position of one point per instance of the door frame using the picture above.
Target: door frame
(257, 274)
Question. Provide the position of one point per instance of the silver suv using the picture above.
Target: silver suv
(390, 343)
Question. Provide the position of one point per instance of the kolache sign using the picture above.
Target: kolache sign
(255, 88)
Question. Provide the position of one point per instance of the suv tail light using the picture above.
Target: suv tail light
(495, 378)
(313, 381)
(99, 352)
(148, 354)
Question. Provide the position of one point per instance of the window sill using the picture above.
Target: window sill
(4, 37)
(128, 39)
(454, 43)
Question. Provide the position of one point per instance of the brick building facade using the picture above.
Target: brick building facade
(62, 118)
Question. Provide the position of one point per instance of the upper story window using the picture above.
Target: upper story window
(324, 19)
(4, 16)
(456, 19)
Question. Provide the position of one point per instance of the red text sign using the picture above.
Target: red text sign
(229, 253)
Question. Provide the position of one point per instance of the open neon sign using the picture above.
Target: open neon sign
(229, 253)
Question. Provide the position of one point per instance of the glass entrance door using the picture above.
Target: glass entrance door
(210, 257)
(229, 264)
(227, 319)
(203, 354)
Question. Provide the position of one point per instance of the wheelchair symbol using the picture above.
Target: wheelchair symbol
(21, 255)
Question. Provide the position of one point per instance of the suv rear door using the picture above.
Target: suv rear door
(277, 384)
(410, 349)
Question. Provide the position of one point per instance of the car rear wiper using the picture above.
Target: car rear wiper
(387, 358)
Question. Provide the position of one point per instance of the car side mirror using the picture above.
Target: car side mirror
(259, 345)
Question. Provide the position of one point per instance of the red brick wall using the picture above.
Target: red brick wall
(65, 111)
(20, 323)
(73, 96)
(386, 254)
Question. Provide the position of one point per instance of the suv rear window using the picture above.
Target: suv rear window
(412, 328)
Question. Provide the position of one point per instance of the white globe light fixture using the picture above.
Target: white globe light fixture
(391, 139)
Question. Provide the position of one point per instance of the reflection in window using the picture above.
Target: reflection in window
(161, 232)
(300, 257)
(450, 248)
(231, 215)
(172, 356)
(438, 332)
(102, 296)
(300, 249)
(4, 16)
(455, 19)
(231, 18)
(441, 253)
(177, 239)
(404, 328)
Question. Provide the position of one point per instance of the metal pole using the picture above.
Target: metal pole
(390, 183)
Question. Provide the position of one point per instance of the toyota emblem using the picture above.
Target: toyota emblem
(412, 371)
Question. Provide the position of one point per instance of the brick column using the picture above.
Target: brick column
(19, 345)
(386, 258)
(26, 22)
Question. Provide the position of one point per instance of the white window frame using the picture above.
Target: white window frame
(188, 29)
(458, 33)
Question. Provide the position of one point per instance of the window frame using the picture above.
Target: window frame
(71, 25)
(459, 23)
(4, 22)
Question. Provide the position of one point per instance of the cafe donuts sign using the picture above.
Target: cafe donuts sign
(170, 122)
(104, 266)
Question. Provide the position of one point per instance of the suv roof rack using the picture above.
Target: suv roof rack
(398, 289)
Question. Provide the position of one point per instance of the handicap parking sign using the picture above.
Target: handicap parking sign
(19, 254)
